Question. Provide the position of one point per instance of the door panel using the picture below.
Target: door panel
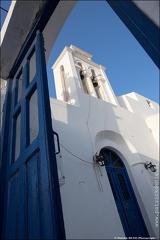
(129, 202)
(33, 191)
(13, 196)
(118, 201)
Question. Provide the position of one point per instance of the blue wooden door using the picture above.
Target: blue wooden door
(127, 205)
(31, 205)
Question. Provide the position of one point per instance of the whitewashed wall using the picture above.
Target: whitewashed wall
(88, 204)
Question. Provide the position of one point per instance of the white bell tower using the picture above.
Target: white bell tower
(76, 75)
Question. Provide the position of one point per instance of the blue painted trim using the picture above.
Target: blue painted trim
(45, 125)
(4, 147)
(144, 29)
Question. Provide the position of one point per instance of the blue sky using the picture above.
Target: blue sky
(95, 28)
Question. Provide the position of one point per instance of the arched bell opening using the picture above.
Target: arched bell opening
(83, 77)
(95, 82)
(64, 84)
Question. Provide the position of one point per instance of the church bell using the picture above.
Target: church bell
(94, 81)
(81, 75)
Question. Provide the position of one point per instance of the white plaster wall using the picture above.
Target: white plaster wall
(89, 209)
(88, 204)
(153, 124)
(72, 81)
(3, 85)
(148, 112)
(139, 104)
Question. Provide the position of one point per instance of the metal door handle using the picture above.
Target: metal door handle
(58, 144)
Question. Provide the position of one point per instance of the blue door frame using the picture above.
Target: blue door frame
(127, 205)
(30, 202)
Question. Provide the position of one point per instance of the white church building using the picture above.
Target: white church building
(98, 177)
(103, 202)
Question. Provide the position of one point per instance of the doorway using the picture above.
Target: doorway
(125, 199)
(31, 203)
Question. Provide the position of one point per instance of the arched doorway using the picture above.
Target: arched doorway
(128, 209)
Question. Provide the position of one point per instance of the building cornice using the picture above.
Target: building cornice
(82, 55)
